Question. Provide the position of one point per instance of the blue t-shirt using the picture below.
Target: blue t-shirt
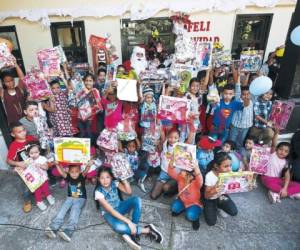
(224, 113)
(204, 157)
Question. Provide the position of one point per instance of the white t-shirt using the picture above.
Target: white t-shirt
(211, 180)
(40, 160)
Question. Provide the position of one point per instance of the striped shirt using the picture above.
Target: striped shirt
(243, 118)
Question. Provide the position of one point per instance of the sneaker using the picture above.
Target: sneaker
(141, 185)
(27, 206)
(51, 199)
(196, 224)
(175, 214)
(154, 233)
(273, 197)
(66, 235)
(51, 233)
(222, 213)
(62, 183)
(41, 205)
(131, 241)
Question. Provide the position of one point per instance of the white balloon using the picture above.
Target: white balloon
(295, 36)
(260, 85)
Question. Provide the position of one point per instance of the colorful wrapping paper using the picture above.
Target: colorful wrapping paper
(281, 112)
(184, 156)
(49, 61)
(259, 159)
(203, 55)
(251, 60)
(37, 85)
(62, 55)
(6, 58)
(120, 167)
(236, 182)
(108, 140)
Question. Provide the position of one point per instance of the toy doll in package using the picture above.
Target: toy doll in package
(49, 61)
(259, 159)
(120, 167)
(6, 58)
(37, 85)
(281, 112)
(184, 156)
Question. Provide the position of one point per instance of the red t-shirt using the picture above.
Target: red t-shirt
(16, 150)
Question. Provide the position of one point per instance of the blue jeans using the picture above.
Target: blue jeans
(26, 193)
(238, 135)
(192, 213)
(133, 203)
(143, 168)
(85, 128)
(75, 204)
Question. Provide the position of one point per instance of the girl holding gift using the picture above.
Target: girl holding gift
(278, 176)
(188, 198)
(12, 95)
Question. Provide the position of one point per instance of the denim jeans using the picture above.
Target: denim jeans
(192, 213)
(238, 135)
(75, 204)
(85, 128)
(133, 203)
(26, 193)
(143, 168)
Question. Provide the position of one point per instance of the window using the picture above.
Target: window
(251, 31)
(72, 39)
(134, 33)
(10, 33)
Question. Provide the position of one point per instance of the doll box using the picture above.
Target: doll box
(259, 159)
(184, 156)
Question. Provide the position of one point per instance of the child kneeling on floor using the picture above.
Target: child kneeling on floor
(113, 209)
(75, 201)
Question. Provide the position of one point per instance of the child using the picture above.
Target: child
(230, 148)
(205, 152)
(112, 107)
(164, 183)
(39, 161)
(148, 110)
(60, 115)
(17, 155)
(278, 177)
(113, 209)
(262, 130)
(75, 202)
(85, 125)
(224, 111)
(196, 100)
(246, 151)
(242, 120)
(30, 111)
(212, 199)
(100, 84)
(13, 96)
(188, 198)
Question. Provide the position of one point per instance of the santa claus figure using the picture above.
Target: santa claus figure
(137, 61)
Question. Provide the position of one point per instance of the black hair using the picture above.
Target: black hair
(120, 66)
(101, 70)
(231, 143)
(32, 145)
(229, 86)
(6, 73)
(29, 103)
(99, 172)
(250, 137)
(217, 161)
(88, 74)
(53, 82)
(285, 144)
(102, 65)
(201, 74)
(14, 125)
(134, 141)
(244, 88)
(74, 166)
(194, 79)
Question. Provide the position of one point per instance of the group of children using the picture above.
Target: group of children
(225, 131)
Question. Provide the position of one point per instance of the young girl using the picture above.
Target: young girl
(40, 162)
(13, 96)
(236, 160)
(212, 198)
(278, 177)
(113, 209)
(164, 183)
(59, 112)
(188, 198)
(148, 109)
(246, 151)
(112, 107)
(85, 125)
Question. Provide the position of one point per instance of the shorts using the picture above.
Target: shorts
(163, 177)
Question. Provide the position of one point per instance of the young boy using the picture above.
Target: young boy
(101, 79)
(75, 201)
(242, 120)
(30, 111)
(262, 130)
(224, 111)
(16, 156)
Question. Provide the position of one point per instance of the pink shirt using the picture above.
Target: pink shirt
(113, 112)
(275, 165)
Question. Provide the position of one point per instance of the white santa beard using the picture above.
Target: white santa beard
(139, 66)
